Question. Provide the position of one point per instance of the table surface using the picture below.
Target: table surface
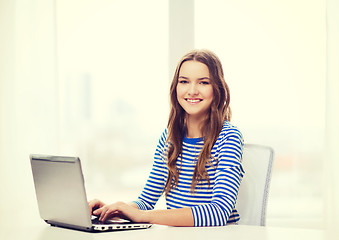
(43, 231)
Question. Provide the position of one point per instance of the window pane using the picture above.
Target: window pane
(113, 75)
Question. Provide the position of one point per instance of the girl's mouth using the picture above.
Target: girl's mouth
(193, 100)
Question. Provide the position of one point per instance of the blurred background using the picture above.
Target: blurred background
(91, 79)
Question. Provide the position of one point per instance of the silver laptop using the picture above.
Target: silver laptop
(61, 195)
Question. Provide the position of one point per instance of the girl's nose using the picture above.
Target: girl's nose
(193, 89)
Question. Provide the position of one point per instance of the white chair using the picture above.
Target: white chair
(253, 191)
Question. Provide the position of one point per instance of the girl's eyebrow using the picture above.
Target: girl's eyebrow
(202, 78)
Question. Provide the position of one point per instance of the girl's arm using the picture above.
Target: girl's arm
(181, 217)
(228, 176)
(170, 217)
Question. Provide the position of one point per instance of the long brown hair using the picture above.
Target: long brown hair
(219, 112)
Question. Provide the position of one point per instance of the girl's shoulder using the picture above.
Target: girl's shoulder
(163, 137)
(164, 134)
(229, 130)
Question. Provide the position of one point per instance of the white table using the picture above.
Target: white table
(43, 231)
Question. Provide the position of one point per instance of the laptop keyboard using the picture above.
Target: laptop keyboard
(95, 220)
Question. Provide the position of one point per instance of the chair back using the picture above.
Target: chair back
(252, 197)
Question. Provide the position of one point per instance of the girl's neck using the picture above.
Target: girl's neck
(194, 127)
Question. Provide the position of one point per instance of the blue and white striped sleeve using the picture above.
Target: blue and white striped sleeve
(229, 174)
(156, 181)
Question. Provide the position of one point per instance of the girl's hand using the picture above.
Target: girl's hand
(95, 204)
(121, 210)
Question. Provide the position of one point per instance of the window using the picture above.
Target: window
(113, 84)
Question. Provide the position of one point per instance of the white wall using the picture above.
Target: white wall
(332, 120)
(28, 98)
(181, 31)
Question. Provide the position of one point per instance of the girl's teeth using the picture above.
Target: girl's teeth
(193, 101)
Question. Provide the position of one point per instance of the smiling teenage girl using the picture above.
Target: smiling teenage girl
(197, 163)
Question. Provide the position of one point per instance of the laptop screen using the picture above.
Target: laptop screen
(60, 191)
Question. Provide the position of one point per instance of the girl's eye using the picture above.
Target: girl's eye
(183, 81)
(204, 82)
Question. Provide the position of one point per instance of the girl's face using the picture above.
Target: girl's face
(194, 89)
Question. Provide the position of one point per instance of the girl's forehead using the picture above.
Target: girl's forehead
(194, 68)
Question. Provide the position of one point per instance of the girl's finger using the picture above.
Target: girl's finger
(99, 211)
(105, 215)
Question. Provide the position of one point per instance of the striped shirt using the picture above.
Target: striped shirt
(211, 204)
